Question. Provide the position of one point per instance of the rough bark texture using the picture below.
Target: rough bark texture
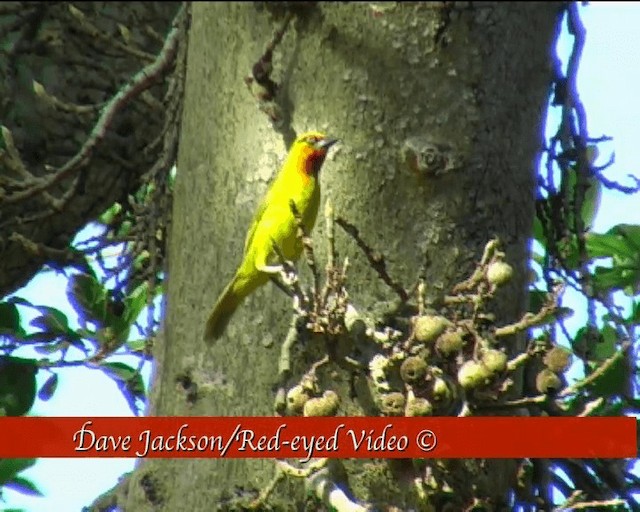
(469, 82)
(81, 54)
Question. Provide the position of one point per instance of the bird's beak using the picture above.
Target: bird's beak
(327, 143)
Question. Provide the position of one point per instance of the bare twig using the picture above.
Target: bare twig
(330, 226)
(479, 272)
(591, 407)
(64, 106)
(293, 336)
(305, 472)
(307, 245)
(62, 256)
(518, 403)
(544, 316)
(376, 259)
(518, 361)
(593, 504)
(260, 83)
(541, 399)
(259, 502)
(597, 373)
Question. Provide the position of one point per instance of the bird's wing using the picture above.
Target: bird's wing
(257, 216)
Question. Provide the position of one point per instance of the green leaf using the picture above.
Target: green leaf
(136, 386)
(591, 202)
(141, 260)
(612, 382)
(52, 320)
(111, 340)
(589, 207)
(607, 345)
(634, 318)
(48, 388)
(583, 342)
(538, 231)
(119, 371)
(135, 303)
(595, 345)
(592, 193)
(138, 345)
(568, 249)
(120, 319)
(10, 319)
(9, 468)
(124, 229)
(618, 277)
(606, 278)
(537, 299)
(129, 381)
(610, 245)
(55, 325)
(20, 301)
(51, 348)
(88, 297)
(563, 312)
(538, 258)
(23, 486)
(17, 385)
(630, 233)
(110, 214)
(144, 192)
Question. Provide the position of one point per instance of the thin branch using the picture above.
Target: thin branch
(293, 471)
(83, 24)
(597, 373)
(260, 501)
(591, 407)
(308, 252)
(479, 273)
(141, 81)
(293, 336)
(376, 259)
(64, 106)
(528, 401)
(593, 504)
(63, 256)
(529, 320)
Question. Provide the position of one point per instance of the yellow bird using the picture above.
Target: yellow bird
(274, 223)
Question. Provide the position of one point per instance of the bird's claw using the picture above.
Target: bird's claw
(288, 274)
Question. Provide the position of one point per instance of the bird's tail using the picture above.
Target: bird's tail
(227, 303)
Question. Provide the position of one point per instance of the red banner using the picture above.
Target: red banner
(304, 438)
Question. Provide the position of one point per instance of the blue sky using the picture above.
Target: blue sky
(608, 85)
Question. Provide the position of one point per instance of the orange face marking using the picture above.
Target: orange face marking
(310, 160)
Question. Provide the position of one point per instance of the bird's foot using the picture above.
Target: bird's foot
(270, 269)
(288, 274)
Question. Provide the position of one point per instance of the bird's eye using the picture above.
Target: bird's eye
(312, 139)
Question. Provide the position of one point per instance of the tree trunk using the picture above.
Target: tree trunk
(440, 109)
